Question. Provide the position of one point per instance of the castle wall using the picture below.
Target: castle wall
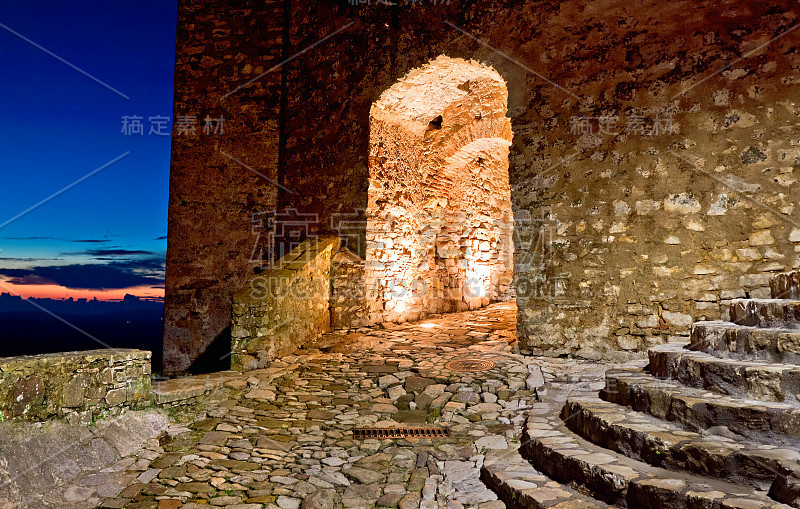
(648, 180)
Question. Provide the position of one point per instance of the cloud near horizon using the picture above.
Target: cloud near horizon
(57, 238)
(109, 252)
(111, 276)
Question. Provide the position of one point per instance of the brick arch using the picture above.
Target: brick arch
(439, 222)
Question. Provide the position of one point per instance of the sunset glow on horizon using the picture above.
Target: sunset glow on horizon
(60, 292)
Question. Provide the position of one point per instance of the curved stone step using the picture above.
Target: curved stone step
(726, 339)
(623, 482)
(698, 409)
(757, 380)
(785, 285)
(520, 486)
(766, 312)
(667, 445)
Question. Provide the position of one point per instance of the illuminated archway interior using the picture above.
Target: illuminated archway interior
(439, 220)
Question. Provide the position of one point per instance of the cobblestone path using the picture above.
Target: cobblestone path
(283, 438)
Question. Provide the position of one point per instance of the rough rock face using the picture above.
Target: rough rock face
(651, 166)
(57, 465)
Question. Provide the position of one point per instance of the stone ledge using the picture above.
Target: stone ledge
(275, 280)
(9, 364)
(186, 388)
(618, 480)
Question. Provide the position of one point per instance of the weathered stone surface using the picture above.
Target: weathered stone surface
(363, 475)
(361, 494)
(389, 500)
(283, 307)
(698, 409)
(615, 478)
(299, 442)
(672, 447)
(73, 384)
(757, 380)
(417, 384)
(56, 464)
(321, 499)
(492, 442)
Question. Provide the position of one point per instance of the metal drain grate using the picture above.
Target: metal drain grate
(469, 365)
(365, 433)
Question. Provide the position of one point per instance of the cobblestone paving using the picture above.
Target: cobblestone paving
(284, 439)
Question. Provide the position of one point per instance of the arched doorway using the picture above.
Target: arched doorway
(439, 220)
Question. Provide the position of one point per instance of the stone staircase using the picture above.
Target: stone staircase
(709, 424)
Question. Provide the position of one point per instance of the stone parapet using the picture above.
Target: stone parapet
(72, 384)
(283, 307)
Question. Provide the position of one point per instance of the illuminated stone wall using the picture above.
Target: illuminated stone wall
(439, 212)
(348, 291)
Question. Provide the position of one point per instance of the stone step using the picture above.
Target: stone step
(726, 339)
(785, 285)
(667, 445)
(762, 381)
(520, 486)
(624, 482)
(190, 388)
(766, 312)
(699, 409)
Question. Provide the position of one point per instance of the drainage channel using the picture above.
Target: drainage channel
(367, 433)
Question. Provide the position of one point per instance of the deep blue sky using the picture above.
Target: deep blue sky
(59, 125)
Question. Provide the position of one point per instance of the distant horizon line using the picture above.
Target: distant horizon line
(146, 298)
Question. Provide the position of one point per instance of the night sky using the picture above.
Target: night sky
(106, 235)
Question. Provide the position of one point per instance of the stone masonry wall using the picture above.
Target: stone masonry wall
(222, 175)
(284, 306)
(348, 297)
(680, 190)
(653, 160)
(73, 384)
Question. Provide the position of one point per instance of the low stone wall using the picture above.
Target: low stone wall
(283, 307)
(73, 384)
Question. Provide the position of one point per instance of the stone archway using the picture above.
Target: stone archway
(439, 219)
